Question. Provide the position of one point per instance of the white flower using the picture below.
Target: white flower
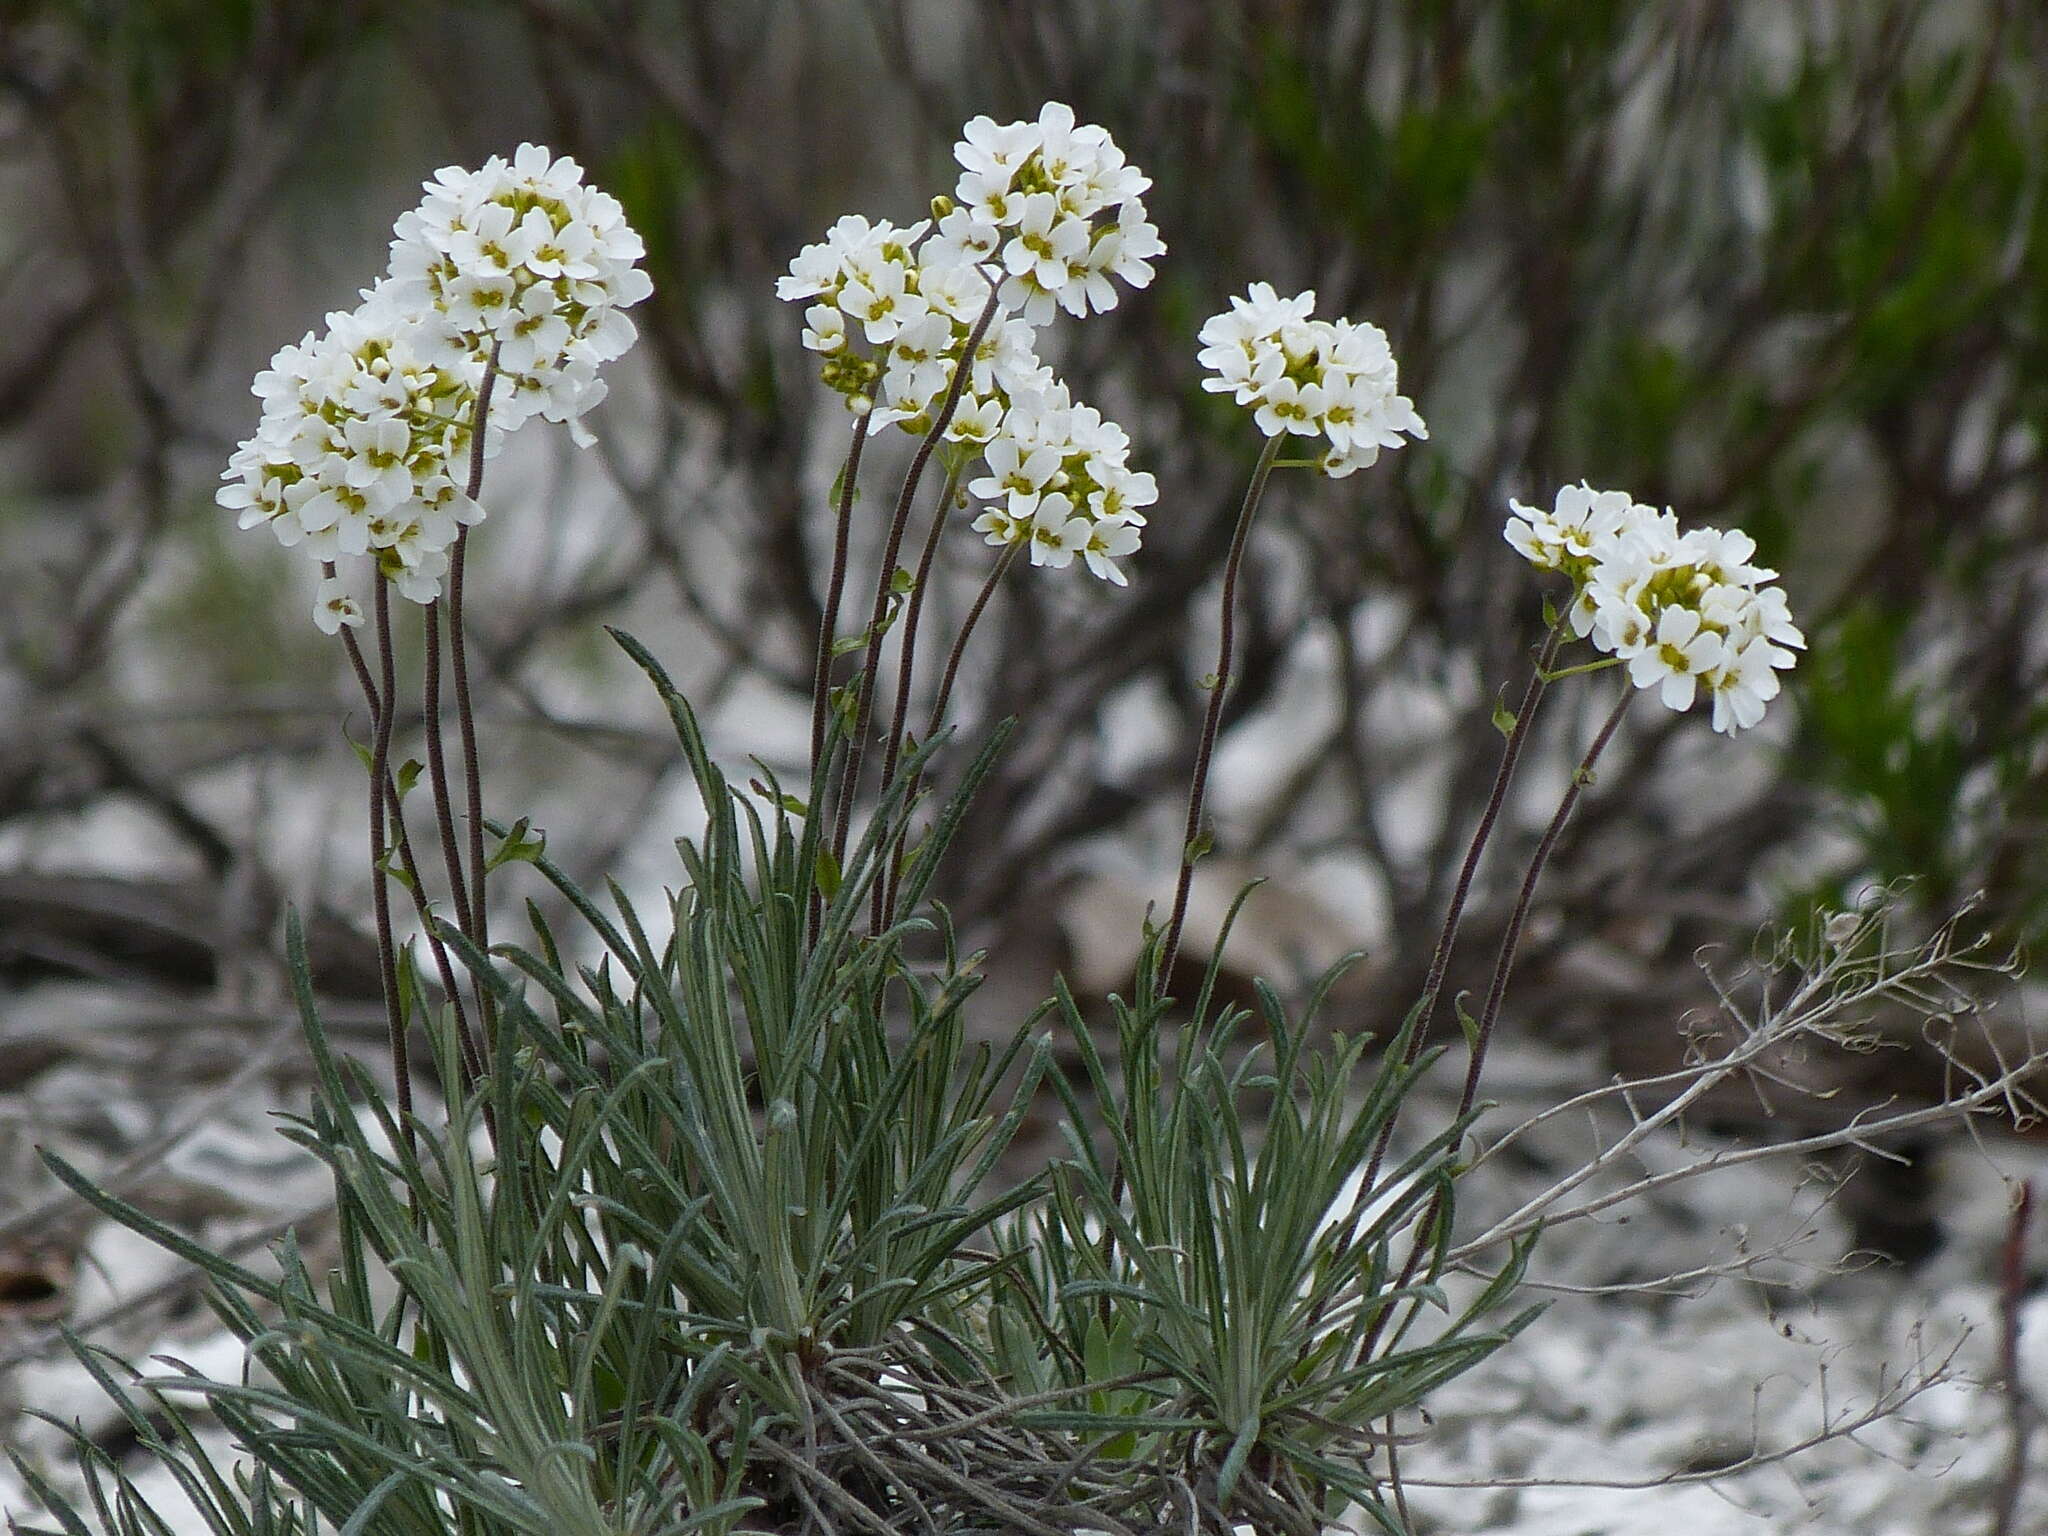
(1055, 537)
(1017, 473)
(994, 151)
(964, 239)
(882, 299)
(824, 328)
(1565, 538)
(333, 606)
(1673, 657)
(1001, 528)
(1106, 541)
(420, 582)
(977, 420)
(1741, 686)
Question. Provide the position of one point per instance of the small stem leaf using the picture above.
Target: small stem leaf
(1503, 717)
(827, 875)
(391, 865)
(1583, 667)
(522, 845)
(1199, 846)
(846, 705)
(1467, 1025)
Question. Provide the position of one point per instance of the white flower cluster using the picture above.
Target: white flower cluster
(1060, 483)
(916, 309)
(1046, 213)
(1058, 206)
(525, 261)
(1334, 379)
(365, 431)
(365, 437)
(1684, 608)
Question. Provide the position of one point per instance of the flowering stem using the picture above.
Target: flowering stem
(471, 1061)
(835, 589)
(1212, 720)
(437, 771)
(828, 626)
(1581, 777)
(849, 781)
(906, 662)
(380, 895)
(1447, 936)
(465, 715)
(1483, 1035)
(1510, 757)
(952, 673)
(945, 694)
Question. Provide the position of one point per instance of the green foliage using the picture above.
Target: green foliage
(730, 1201)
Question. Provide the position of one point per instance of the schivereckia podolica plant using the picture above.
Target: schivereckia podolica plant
(709, 1224)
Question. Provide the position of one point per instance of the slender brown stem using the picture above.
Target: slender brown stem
(906, 664)
(1447, 936)
(828, 636)
(1198, 786)
(1198, 782)
(1504, 965)
(380, 895)
(437, 771)
(451, 852)
(835, 589)
(472, 1062)
(479, 928)
(472, 773)
(952, 673)
(849, 781)
(944, 696)
(2021, 1411)
(1510, 757)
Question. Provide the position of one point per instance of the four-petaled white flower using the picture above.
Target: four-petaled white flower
(334, 606)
